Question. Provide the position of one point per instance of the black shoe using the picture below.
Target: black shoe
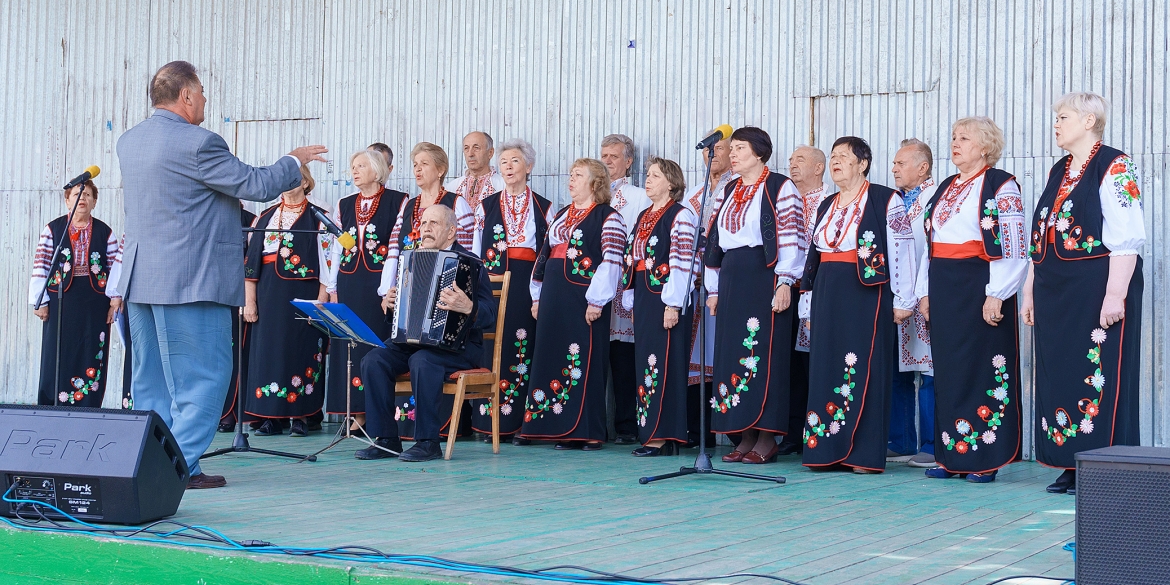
(269, 428)
(790, 448)
(519, 441)
(567, 446)
(374, 452)
(1063, 484)
(300, 428)
(592, 446)
(666, 449)
(226, 426)
(422, 451)
(626, 440)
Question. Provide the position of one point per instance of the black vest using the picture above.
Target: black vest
(657, 255)
(300, 262)
(713, 257)
(99, 236)
(495, 231)
(873, 270)
(589, 253)
(405, 241)
(1082, 209)
(372, 251)
(993, 180)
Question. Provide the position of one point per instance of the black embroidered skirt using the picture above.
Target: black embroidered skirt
(359, 292)
(850, 367)
(977, 370)
(286, 354)
(1087, 378)
(662, 359)
(566, 400)
(85, 344)
(752, 348)
(519, 339)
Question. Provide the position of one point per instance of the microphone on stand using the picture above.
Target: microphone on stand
(723, 132)
(90, 172)
(343, 238)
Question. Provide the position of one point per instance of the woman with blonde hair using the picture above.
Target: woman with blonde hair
(974, 261)
(658, 282)
(579, 270)
(1084, 293)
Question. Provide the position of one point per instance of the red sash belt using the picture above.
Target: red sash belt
(269, 259)
(1051, 235)
(641, 265)
(847, 257)
(558, 251)
(971, 249)
(524, 254)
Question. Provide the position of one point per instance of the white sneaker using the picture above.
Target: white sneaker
(924, 459)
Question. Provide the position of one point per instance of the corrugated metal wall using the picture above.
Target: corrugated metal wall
(563, 73)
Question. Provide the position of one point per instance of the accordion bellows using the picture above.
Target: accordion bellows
(417, 318)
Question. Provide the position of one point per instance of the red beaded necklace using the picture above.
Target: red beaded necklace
(573, 218)
(953, 198)
(849, 214)
(364, 217)
(647, 223)
(418, 209)
(740, 198)
(514, 219)
(1067, 184)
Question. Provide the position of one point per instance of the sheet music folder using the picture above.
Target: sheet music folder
(338, 321)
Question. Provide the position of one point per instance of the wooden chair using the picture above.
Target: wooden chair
(480, 383)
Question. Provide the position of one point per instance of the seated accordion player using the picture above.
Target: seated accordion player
(417, 318)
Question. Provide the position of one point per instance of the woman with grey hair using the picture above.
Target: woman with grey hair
(368, 217)
(515, 221)
(1084, 293)
(973, 264)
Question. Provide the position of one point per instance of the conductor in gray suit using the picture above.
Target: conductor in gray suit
(182, 270)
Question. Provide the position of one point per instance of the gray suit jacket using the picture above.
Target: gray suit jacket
(182, 187)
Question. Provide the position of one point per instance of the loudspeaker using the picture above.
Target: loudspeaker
(1123, 516)
(113, 466)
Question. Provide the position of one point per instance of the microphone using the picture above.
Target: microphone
(343, 238)
(90, 172)
(723, 132)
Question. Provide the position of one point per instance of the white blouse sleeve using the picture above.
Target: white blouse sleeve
(603, 288)
(326, 251)
(113, 265)
(922, 280)
(390, 267)
(1008, 273)
(465, 222)
(1124, 230)
(900, 240)
(40, 272)
(790, 247)
(711, 275)
(675, 292)
(334, 253)
(804, 305)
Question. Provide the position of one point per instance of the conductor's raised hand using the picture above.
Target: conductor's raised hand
(453, 299)
(306, 154)
(389, 300)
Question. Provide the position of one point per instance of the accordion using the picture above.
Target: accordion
(417, 318)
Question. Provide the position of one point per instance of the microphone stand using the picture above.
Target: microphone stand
(702, 463)
(240, 442)
(60, 292)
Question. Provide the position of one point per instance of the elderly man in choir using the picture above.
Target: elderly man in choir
(428, 368)
(912, 168)
(806, 168)
(617, 154)
(481, 179)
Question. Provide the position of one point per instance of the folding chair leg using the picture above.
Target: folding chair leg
(453, 430)
(496, 420)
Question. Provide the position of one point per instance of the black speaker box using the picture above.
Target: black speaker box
(1123, 516)
(113, 466)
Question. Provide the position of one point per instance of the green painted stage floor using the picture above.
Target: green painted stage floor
(534, 507)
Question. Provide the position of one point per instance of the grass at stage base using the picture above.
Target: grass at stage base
(37, 558)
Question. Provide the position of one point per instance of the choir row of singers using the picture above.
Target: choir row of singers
(826, 308)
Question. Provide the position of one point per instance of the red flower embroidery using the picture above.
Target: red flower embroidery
(662, 270)
(1131, 188)
(295, 259)
(490, 253)
(308, 372)
(586, 263)
(77, 396)
(1118, 168)
(291, 397)
(983, 412)
(381, 250)
(356, 381)
(554, 385)
(831, 408)
(1058, 438)
(259, 393)
(1092, 409)
(812, 442)
(641, 391)
(735, 379)
(527, 417)
(961, 447)
(1070, 244)
(503, 384)
(90, 372)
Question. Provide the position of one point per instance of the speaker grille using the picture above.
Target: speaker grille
(1123, 524)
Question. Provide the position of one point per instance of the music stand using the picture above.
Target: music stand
(340, 323)
(702, 464)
